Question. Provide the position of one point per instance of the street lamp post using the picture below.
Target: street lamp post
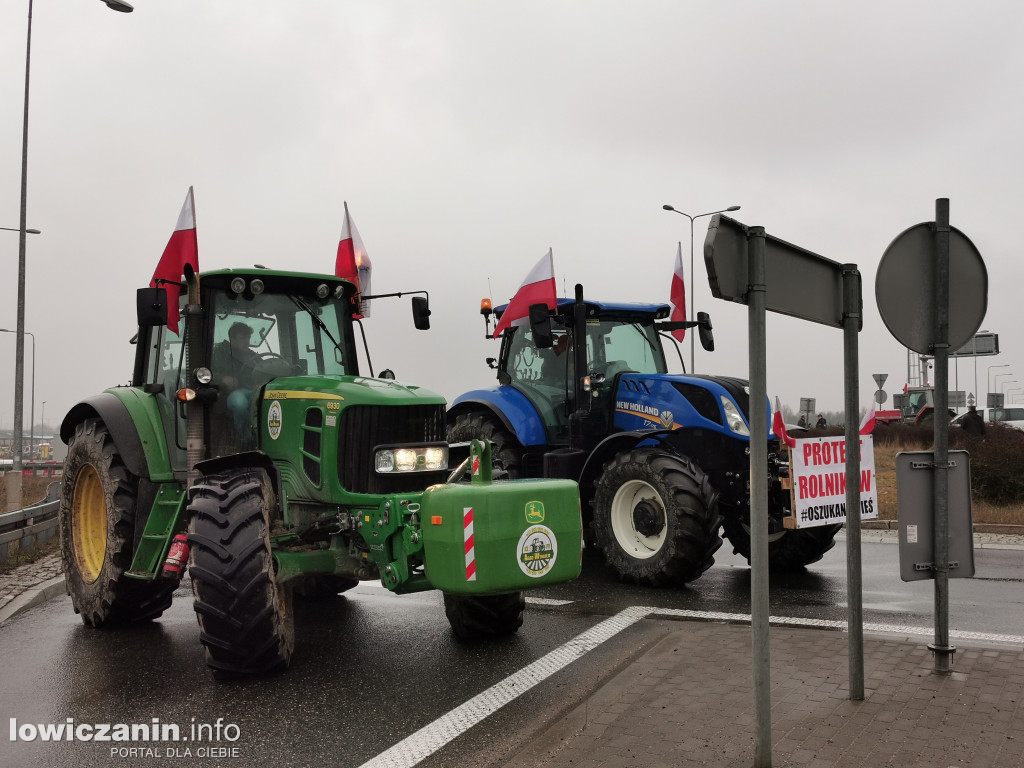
(14, 494)
(988, 374)
(692, 309)
(1002, 385)
(995, 379)
(32, 415)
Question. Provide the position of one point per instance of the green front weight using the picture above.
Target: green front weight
(499, 537)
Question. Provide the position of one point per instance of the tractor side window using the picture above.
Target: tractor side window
(165, 361)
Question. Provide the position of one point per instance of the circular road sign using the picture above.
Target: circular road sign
(880, 396)
(905, 288)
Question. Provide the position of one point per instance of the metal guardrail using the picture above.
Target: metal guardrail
(31, 525)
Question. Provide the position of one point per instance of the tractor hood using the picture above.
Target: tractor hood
(677, 401)
(351, 390)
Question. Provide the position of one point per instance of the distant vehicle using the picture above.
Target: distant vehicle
(1011, 417)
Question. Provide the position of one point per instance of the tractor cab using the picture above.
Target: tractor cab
(619, 338)
(253, 328)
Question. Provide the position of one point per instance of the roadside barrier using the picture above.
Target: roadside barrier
(26, 527)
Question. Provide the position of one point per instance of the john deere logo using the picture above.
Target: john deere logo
(538, 550)
(274, 420)
(535, 511)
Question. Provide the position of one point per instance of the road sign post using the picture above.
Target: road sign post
(747, 266)
(912, 292)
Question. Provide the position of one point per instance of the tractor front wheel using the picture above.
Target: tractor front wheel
(478, 617)
(245, 617)
(656, 518)
(506, 455)
(98, 499)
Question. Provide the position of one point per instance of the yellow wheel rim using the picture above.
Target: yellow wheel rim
(89, 524)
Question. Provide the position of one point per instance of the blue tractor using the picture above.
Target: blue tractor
(662, 460)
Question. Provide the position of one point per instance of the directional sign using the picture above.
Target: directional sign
(798, 282)
(982, 344)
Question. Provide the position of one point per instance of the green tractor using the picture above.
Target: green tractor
(249, 448)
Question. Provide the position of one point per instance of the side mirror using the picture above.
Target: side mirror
(421, 313)
(151, 306)
(707, 338)
(540, 325)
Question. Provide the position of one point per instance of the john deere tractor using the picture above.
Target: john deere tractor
(662, 460)
(249, 449)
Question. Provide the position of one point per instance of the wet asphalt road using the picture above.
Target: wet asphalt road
(370, 668)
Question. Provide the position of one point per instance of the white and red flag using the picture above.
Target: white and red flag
(868, 423)
(537, 288)
(678, 295)
(779, 427)
(352, 262)
(182, 249)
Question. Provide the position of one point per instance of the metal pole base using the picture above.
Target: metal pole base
(943, 656)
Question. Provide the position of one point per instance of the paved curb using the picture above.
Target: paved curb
(33, 596)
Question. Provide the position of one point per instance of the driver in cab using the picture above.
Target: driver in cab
(234, 368)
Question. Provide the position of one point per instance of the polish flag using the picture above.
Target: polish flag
(537, 288)
(779, 428)
(678, 294)
(182, 249)
(352, 262)
(868, 424)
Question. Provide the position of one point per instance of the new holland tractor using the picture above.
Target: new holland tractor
(662, 460)
(249, 440)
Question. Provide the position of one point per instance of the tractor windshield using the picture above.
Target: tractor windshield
(280, 335)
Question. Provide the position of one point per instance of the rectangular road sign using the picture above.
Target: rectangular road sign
(798, 282)
(980, 344)
(915, 505)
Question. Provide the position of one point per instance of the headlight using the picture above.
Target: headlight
(422, 458)
(203, 375)
(733, 417)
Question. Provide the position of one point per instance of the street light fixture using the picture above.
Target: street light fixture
(1003, 384)
(32, 416)
(27, 231)
(14, 493)
(692, 308)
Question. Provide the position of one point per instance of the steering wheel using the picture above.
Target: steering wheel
(268, 365)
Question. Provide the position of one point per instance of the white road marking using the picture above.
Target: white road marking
(424, 742)
(432, 737)
(547, 601)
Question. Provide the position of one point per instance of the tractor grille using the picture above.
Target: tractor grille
(364, 427)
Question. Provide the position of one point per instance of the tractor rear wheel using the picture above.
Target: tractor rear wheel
(245, 617)
(506, 454)
(656, 518)
(478, 617)
(788, 550)
(98, 499)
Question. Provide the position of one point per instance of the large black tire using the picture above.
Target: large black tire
(98, 499)
(788, 550)
(506, 453)
(245, 617)
(656, 518)
(478, 617)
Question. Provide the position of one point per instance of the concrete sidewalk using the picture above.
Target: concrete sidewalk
(689, 702)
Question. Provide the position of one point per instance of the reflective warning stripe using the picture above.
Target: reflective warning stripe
(467, 537)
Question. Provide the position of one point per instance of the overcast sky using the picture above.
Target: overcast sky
(469, 137)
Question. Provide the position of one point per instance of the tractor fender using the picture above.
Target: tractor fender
(613, 445)
(510, 406)
(246, 460)
(133, 419)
